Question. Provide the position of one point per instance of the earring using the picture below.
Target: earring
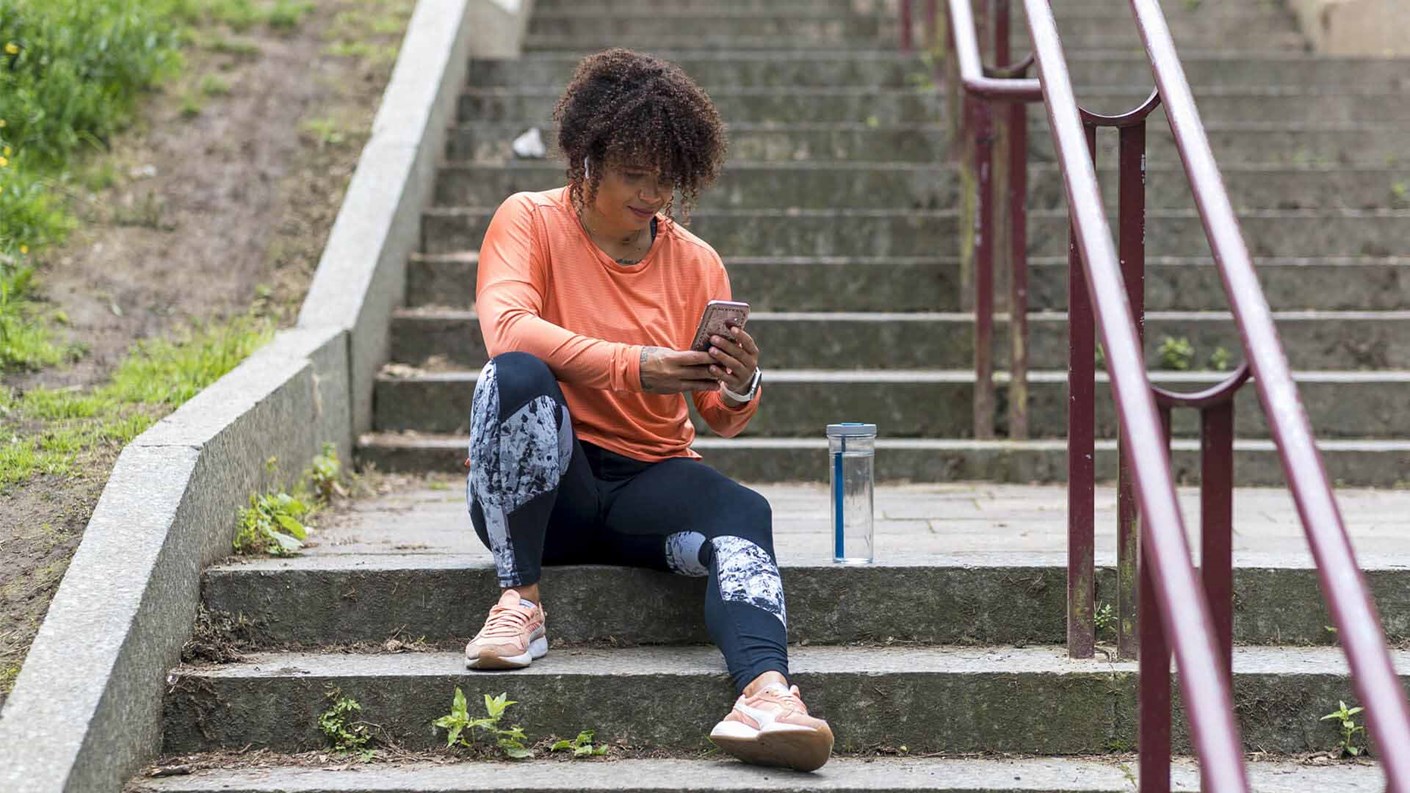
(587, 174)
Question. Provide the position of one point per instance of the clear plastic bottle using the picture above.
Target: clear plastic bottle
(852, 449)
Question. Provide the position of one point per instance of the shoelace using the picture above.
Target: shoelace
(505, 622)
(786, 699)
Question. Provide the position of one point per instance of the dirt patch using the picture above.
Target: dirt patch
(218, 201)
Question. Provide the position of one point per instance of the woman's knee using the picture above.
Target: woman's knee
(518, 377)
(520, 429)
(751, 516)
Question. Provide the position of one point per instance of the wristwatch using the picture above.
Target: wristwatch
(753, 387)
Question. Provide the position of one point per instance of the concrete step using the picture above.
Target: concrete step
(1226, 26)
(614, 7)
(932, 284)
(881, 105)
(488, 141)
(1117, 36)
(1232, 142)
(882, 232)
(939, 404)
(719, 69)
(716, 26)
(891, 185)
(1314, 341)
(1361, 463)
(1008, 598)
(1297, 105)
(930, 699)
(841, 775)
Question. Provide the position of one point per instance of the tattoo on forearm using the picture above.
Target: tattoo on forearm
(645, 353)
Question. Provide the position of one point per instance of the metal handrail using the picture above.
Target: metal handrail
(972, 68)
(1179, 609)
(1183, 609)
(1343, 584)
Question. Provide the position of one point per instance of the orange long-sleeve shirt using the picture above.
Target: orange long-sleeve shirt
(544, 288)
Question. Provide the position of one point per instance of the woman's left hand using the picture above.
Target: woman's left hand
(735, 360)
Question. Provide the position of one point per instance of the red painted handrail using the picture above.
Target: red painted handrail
(1174, 607)
(1343, 585)
(1184, 612)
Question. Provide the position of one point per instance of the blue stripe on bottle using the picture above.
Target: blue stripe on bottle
(837, 488)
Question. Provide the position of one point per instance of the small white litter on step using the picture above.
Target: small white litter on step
(529, 146)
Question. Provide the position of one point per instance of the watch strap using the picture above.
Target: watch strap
(753, 388)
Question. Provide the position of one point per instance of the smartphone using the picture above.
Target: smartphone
(716, 320)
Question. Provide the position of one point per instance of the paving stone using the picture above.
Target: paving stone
(840, 775)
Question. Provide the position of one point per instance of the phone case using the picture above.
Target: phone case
(718, 316)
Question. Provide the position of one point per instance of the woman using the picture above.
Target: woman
(580, 438)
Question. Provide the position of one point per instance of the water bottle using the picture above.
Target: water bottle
(852, 448)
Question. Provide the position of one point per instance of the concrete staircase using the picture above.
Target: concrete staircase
(951, 647)
(837, 220)
(837, 216)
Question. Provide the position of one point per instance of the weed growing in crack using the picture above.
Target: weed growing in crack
(1353, 735)
(341, 724)
(582, 746)
(459, 723)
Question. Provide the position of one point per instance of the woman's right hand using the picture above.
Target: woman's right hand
(665, 371)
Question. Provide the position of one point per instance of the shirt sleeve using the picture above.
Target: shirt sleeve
(726, 421)
(509, 298)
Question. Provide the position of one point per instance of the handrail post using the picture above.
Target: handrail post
(1131, 233)
(982, 141)
(1217, 521)
(1153, 706)
(1017, 236)
(1081, 450)
(906, 13)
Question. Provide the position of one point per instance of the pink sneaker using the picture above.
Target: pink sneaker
(513, 636)
(773, 728)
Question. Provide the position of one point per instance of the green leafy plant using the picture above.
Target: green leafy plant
(272, 524)
(325, 475)
(1105, 619)
(581, 746)
(1352, 734)
(342, 726)
(1220, 359)
(458, 723)
(1400, 194)
(1175, 354)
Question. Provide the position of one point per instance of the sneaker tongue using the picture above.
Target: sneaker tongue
(509, 598)
(778, 688)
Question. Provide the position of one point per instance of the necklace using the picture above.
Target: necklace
(633, 245)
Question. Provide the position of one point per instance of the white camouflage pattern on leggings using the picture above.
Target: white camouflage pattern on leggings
(512, 462)
(746, 574)
(683, 553)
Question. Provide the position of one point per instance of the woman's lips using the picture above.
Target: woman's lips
(641, 213)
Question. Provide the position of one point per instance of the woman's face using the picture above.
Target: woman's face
(630, 195)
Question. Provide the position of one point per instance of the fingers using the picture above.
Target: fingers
(685, 358)
(745, 341)
(730, 369)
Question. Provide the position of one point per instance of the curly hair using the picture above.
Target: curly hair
(624, 107)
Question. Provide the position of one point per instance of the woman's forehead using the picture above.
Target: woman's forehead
(639, 164)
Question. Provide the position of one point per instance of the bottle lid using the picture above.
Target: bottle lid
(851, 429)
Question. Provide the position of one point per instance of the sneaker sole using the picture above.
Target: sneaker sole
(780, 746)
(538, 648)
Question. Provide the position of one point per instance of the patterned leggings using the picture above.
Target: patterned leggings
(539, 497)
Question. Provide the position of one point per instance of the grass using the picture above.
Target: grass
(72, 73)
(49, 429)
